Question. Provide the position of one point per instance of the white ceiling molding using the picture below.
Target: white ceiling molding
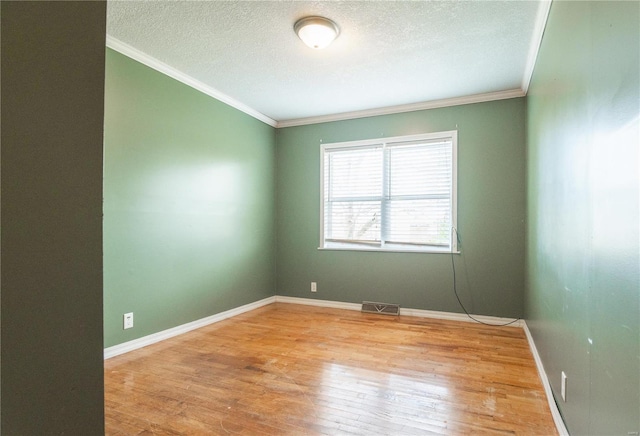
(536, 41)
(390, 57)
(540, 13)
(435, 104)
(160, 66)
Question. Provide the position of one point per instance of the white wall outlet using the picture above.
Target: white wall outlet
(314, 287)
(563, 387)
(128, 320)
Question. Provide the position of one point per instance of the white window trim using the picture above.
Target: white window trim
(450, 135)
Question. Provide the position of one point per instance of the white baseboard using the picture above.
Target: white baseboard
(175, 331)
(452, 316)
(318, 303)
(557, 418)
(178, 330)
(403, 311)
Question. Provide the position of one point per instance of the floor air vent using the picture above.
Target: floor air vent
(383, 308)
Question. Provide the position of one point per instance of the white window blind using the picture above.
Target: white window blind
(398, 194)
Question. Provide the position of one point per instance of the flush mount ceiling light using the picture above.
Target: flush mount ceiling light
(316, 32)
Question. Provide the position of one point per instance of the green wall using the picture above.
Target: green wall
(491, 212)
(188, 203)
(52, 129)
(583, 265)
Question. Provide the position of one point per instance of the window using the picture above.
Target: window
(395, 194)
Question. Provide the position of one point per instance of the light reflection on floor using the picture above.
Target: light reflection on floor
(386, 400)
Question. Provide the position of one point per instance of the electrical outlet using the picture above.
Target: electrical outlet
(314, 287)
(128, 320)
(563, 387)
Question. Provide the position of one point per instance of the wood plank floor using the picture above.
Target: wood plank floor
(292, 369)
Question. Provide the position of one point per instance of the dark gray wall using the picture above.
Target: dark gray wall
(583, 263)
(51, 314)
(491, 212)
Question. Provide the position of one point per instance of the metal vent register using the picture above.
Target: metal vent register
(383, 308)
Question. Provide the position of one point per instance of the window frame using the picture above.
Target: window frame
(450, 135)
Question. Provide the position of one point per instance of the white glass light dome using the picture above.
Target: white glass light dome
(316, 32)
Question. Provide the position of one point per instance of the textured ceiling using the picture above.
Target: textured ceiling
(389, 53)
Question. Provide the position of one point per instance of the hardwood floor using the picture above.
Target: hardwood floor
(291, 369)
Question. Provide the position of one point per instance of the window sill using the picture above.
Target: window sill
(388, 250)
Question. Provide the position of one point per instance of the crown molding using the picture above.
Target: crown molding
(536, 42)
(151, 62)
(389, 110)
